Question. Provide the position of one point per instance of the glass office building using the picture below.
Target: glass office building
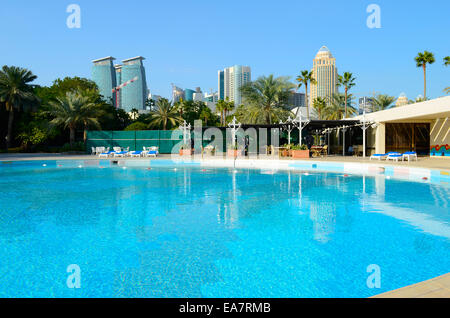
(189, 94)
(104, 75)
(134, 94)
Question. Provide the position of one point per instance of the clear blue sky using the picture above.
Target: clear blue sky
(186, 42)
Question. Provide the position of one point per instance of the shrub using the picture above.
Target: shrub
(77, 146)
(136, 126)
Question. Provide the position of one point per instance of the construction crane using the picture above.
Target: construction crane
(118, 88)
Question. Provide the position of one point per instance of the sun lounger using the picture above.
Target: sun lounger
(106, 154)
(120, 154)
(136, 153)
(378, 156)
(410, 155)
(394, 156)
(152, 151)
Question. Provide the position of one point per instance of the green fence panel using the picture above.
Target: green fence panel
(124, 139)
(170, 141)
(98, 139)
(147, 138)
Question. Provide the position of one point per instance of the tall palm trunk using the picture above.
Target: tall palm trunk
(10, 124)
(424, 81)
(346, 91)
(72, 135)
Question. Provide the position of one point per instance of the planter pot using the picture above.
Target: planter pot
(300, 154)
(185, 152)
(284, 153)
(234, 153)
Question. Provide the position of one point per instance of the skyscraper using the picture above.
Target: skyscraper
(365, 103)
(104, 75)
(134, 94)
(189, 94)
(325, 73)
(118, 69)
(231, 80)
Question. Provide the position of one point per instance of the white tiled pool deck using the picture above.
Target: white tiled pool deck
(425, 169)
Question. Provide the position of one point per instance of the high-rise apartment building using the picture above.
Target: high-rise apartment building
(326, 76)
(104, 75)
(134, 94)
(231, 80)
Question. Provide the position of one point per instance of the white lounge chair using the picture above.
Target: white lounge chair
(136, 153)
(394, 156)
(410, 155)
(378, 156)
(152, 151)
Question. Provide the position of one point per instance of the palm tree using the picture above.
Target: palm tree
(422, 59)
(165, 114)
(73, 110)
(447, 61)
(134, 113)
(303, 79)
(335, 109)
(220, 107)
(348, 81)
(266, 98)
(382, 102)
(16, 93)
(319, 105)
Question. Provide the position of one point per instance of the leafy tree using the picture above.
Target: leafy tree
(34, 137)
(72, 111)
(382, 102)
(319, 105)
(306, 77)
(266, 99)
(165, 115)
(422, 59)
(348, 81)
(447, 61)
(16, 93)
(137, 126)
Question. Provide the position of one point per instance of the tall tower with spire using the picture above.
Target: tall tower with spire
(326, 76)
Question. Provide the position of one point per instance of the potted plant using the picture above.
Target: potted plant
(286, 151)
(185, 150)
(233, 151)
(300, 152)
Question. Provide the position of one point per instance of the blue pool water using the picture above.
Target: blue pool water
(192, 232)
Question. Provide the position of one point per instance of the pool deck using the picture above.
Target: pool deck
(422, 162)
(438, 287)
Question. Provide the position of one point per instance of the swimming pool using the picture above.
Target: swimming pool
(193, 231)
